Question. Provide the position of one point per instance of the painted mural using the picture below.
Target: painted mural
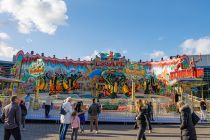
(161, 75)
(109, 74)
(170, 70)
(59, 75)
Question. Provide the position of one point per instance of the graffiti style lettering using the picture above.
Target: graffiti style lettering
(188, 73)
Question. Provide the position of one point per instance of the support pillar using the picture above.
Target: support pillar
(36, 100)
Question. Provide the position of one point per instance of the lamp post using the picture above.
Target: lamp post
(133, 91)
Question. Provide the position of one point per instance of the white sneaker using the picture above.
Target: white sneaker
(96, 132)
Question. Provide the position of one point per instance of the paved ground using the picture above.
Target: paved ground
(108, 132)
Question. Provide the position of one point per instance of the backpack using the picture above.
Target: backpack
(62, 111)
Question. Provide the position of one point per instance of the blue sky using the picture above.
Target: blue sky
(141, 29)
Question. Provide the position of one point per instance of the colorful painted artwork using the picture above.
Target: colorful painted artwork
(37, 68)
(170, 70)
(108, 73)
(57, 75)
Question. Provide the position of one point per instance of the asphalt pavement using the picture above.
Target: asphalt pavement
(49, 131)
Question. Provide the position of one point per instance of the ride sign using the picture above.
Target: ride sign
(37, 68)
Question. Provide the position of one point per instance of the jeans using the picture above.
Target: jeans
(141, 132)
(14, 132)
(203, 115)
(74, 134)
(151, 116)
(93, 119)
(23, 120)
(148, 122)
(82, 126)
(47, 110)
(63, 129)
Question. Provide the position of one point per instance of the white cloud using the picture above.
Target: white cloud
(196, 46)
(93, 55)
(157, 55)
(42, 15)
(4, 36)
(6, 51)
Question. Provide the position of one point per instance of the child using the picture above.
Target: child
(75, 124)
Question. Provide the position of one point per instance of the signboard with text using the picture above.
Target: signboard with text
(37, 68)
(188, 73)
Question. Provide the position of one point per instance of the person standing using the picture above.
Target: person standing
(93, 112)
(75, 125)
(99, 104)
(150, 106)
(27, 100)
(11, 118)
(65, 118)
(138, 104)
(141, 117)
(48, 104)
(203, 110)
(23, 113)
(147, 113)
(81, 115)
(187, 128)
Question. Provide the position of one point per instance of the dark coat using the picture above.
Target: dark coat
(141, 118)
(94, 110)
(187, 128)
(11, 116)
(23, 110)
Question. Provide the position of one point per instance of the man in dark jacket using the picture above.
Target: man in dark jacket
(187, 128)
(12, 117)
(93, 112)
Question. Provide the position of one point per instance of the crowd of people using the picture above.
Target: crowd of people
(72, 116)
